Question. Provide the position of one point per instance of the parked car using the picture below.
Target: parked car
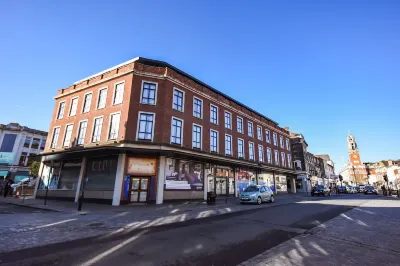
(343, 190)
(360, 188)
(370, 190)
(320, 190)
(352, 190)
(256, 194)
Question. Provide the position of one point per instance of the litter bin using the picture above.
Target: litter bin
(211, 197)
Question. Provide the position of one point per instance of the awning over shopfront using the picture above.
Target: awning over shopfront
(3, 173)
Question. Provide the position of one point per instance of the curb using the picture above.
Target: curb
(32, 207)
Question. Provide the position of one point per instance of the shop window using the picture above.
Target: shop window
(183, 175)
(100, 173)
(69, 175)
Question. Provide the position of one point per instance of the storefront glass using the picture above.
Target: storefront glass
(69, 175)
(245, 178)
(266, 179)
(100, 173)
(183, 175)
(281, 183)
(50, 175)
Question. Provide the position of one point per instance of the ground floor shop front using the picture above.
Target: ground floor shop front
(125, 178)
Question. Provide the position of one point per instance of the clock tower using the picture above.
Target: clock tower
(353, 151)
(356, 168)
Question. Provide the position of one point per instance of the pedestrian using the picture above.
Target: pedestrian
(6, 188)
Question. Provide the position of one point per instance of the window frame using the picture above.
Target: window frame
(58, 109)
(287, 144)
(183, 100)
(52, 137)
(259, 134)
(217, 140)
(230, 119)
(70, 106)
(252, 129)
(65, 135)
(253, 153)
(138, 125)
(283, 159)
(261, 158)
(231, 146)
(201, 136)
(216, 107)
(275, 139)
(155, 93)
(276, 158)
(98, 98)
(93, 126)
(109, 125)
(243, 148)
(281, 142)
(237, 124)
(201, 108)
(115, 94)
(269, 160)
(78, 131)
(289, 159)
(84, 101)
(170, 139)
(268, 140)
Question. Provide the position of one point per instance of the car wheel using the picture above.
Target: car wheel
(312, 194)
(259, 201)
(272, 199)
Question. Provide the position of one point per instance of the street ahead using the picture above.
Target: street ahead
(228, 239)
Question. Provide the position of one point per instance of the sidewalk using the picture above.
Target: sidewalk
(65, 223)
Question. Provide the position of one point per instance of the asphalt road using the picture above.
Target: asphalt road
(6, 208)
(221, 240)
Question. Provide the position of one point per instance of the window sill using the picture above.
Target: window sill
(181, 111)
(148, 103)
(115, 104)
(176, 144)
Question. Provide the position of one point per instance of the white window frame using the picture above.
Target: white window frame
(70, 106)
(155, 93)
(93, 126)
(275, 138)
(269, 159)
(58, 110)
(84, 101)
(65, 135)
(183, 100)
(287, 144)
(201, 136)
(283, 159)
(212, 105)
(138, 124)
(251, 144)
(216, 131)
(276, 157)
(201, 109)
(259, 133)
(115, 90)
(230, 119)
(78, 129)
(289, 159)
(237, 124)
(98, 98)
(52, 137)
(243, 148)
(231, 147)
(170, 139)
(268, 136)
(252, 129)
(260, 154)
(109, 126)
(281, 142)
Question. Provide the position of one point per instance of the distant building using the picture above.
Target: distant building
(310, 169)
(355, 171)
(376, 172)
(17, 144)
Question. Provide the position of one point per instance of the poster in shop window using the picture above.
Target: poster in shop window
(183, 175)
(245, 179)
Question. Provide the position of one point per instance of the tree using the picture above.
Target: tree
(34, 169)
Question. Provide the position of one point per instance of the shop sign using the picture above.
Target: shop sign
(6, 157)
(141, 166)
(183, 175)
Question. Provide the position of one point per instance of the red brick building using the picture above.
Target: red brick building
(145, 131)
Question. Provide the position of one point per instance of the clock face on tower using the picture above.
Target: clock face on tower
(355, 159)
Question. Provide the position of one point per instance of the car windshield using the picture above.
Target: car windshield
(319, 187)
(251, 189)
(369, 187)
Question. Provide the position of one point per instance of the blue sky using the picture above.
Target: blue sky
(320, 67)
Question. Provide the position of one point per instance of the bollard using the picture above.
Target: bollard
(80, 201)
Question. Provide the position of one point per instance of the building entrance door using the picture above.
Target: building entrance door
(139, 189)
(221, 185)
